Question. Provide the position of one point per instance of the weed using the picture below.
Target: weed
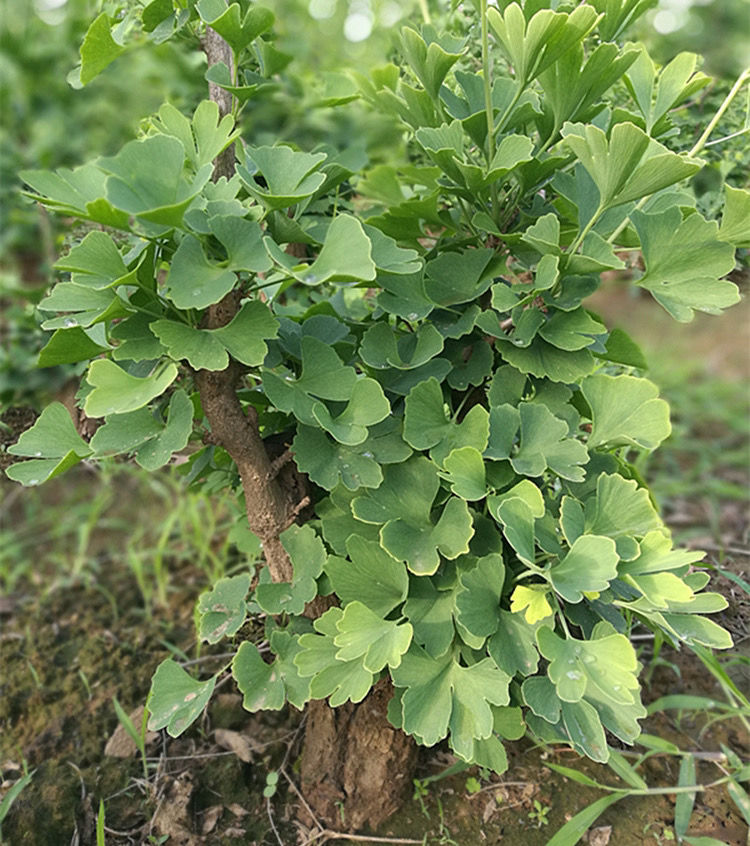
(12, 794)
(538, 814)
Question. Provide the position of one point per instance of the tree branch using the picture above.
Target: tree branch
(269, 508)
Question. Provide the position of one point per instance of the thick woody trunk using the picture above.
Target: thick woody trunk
(355, 766)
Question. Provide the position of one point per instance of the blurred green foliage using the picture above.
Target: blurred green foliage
(44, 123)
(717, 29)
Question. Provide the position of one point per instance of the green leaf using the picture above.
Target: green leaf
(138, 342)
(78, 192)
(290, 176)
(625, 410)
(512, 150)
(430, 611)
(222, 610)
(478, 599)
(589, 566)
(366, 635)
(260, 683)
(430, 63)
(243, 241)
(194, 281)
(198, 347)
(513, 646)
(53, 440)
(332, 677)
(441, 695)
(571, 330)
(206, 349)
(427, 425)
(572, 92)
(146, 180)
(622, 349)
(67, 346)
(465, 471)
(585, 730)
(367, 406)
(735, 227)
(532, 46)
(286, 646)
(203, 138)
(539, 358)
(516, 510)
(628, 165)
(328, 462)
(245, 336)
(372, 576)
(533, 598)
(115, 391)
(685, 260)
(176, 700)
(237, 32)
(676, 82)
(98, 49)
(578, 825)
(408, 531)
(544, 444)
(139, 431)
(96, 262)
(607, 665)
(404, 295)
(454, 278)
(308, 555)
(620, 509)
(86, 306)
(471, 364)
(155, 12)
(382, 348)
(539, 694)
(389, 257)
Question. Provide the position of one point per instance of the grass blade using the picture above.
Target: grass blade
(574, 829)
(683, 809)
(740, 799)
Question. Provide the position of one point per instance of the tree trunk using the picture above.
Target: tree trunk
(356, 768)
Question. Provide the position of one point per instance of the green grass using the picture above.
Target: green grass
(89, 524)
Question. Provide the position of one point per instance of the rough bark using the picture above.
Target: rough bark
(356, 768)
(355, 765)
(217, 50)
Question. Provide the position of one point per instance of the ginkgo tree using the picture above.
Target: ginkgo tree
(457, 544)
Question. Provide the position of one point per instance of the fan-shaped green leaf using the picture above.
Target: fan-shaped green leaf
(222, 610)
(685, 260)
(372, 577)
(625, 410)
(176, 700)
(589, 566)
(365, 634)
(290, 176)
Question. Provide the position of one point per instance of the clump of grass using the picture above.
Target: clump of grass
(118, 520)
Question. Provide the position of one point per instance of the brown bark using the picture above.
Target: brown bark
(217, 50)
(356, 768)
